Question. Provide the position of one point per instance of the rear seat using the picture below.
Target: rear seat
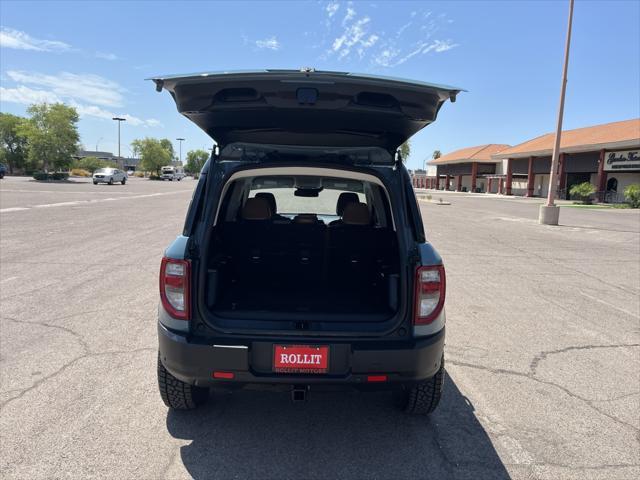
(245, 238)
(264, 245)
(297, 248)
(355, 247)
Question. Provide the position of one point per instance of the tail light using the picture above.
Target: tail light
(430, 291)
(174, 287)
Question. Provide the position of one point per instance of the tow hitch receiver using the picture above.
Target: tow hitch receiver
(299, 394)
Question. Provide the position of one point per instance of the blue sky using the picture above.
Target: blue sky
(508, 55)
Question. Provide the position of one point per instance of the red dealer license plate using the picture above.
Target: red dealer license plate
(300, 359)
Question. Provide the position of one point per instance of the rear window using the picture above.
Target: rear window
(294, 196)
(289, 204)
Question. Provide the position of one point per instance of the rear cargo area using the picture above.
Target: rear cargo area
(304, 268)
(270, 259)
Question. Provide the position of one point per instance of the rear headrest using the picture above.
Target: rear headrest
(356, 214)
(306, 219)
(345, 199)
(256, 209)
(270, 198)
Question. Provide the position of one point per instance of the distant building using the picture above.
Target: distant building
(128, 163)
(608, 156)
(469, 169)
(89, 153)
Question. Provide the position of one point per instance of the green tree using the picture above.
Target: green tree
(405, 150)
(52, 135)
(436, 154)
(196, 160)
(632, 195)
(13, 146)
(153, 153)
(168, 146)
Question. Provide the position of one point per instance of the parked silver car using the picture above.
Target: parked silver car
(109, 175)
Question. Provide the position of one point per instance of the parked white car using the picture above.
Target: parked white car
(172, 173)
(110, 176)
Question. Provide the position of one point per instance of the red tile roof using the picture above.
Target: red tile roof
(625, 134)
(479, 153)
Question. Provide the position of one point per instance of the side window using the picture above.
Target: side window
(413, 211)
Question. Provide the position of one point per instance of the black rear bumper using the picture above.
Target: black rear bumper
(251, 361)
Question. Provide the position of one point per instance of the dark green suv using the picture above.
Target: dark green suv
(303, 262)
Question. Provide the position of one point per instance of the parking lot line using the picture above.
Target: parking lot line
(87, 202)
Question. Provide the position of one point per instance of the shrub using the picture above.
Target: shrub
(583, 192)
(632, 195)
(80, 172)
(92, 164)
(138, 174)
(153, 176)
(429, 197)
(45, 177)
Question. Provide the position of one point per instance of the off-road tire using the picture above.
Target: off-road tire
(177, 394)
(423, 398)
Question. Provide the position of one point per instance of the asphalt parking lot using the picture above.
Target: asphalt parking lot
(542, 355)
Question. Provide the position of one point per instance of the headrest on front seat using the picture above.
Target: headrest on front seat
(256, 209)
(356, 214)
(345, 199)
(270, 198)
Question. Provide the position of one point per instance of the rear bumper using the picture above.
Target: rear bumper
(251, 361)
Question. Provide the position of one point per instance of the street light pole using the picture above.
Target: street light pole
(180, 140)
(119, 120)
(550, 213)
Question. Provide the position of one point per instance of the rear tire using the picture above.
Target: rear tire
(177, 394)
(423, 397)
(95, 183)
(124, 180)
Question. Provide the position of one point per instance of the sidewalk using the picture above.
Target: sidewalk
(423, 192)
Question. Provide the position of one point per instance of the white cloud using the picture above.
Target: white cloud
(355, 35)
(403, 28)
(443, 46)
(389, 57)
(349, 16)
(271, 43)
(97, 112)
(10, 38)
(332, 8)
(386, 57)
(83, 87)
(106, 56)
(359, 36)
(27, 96)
